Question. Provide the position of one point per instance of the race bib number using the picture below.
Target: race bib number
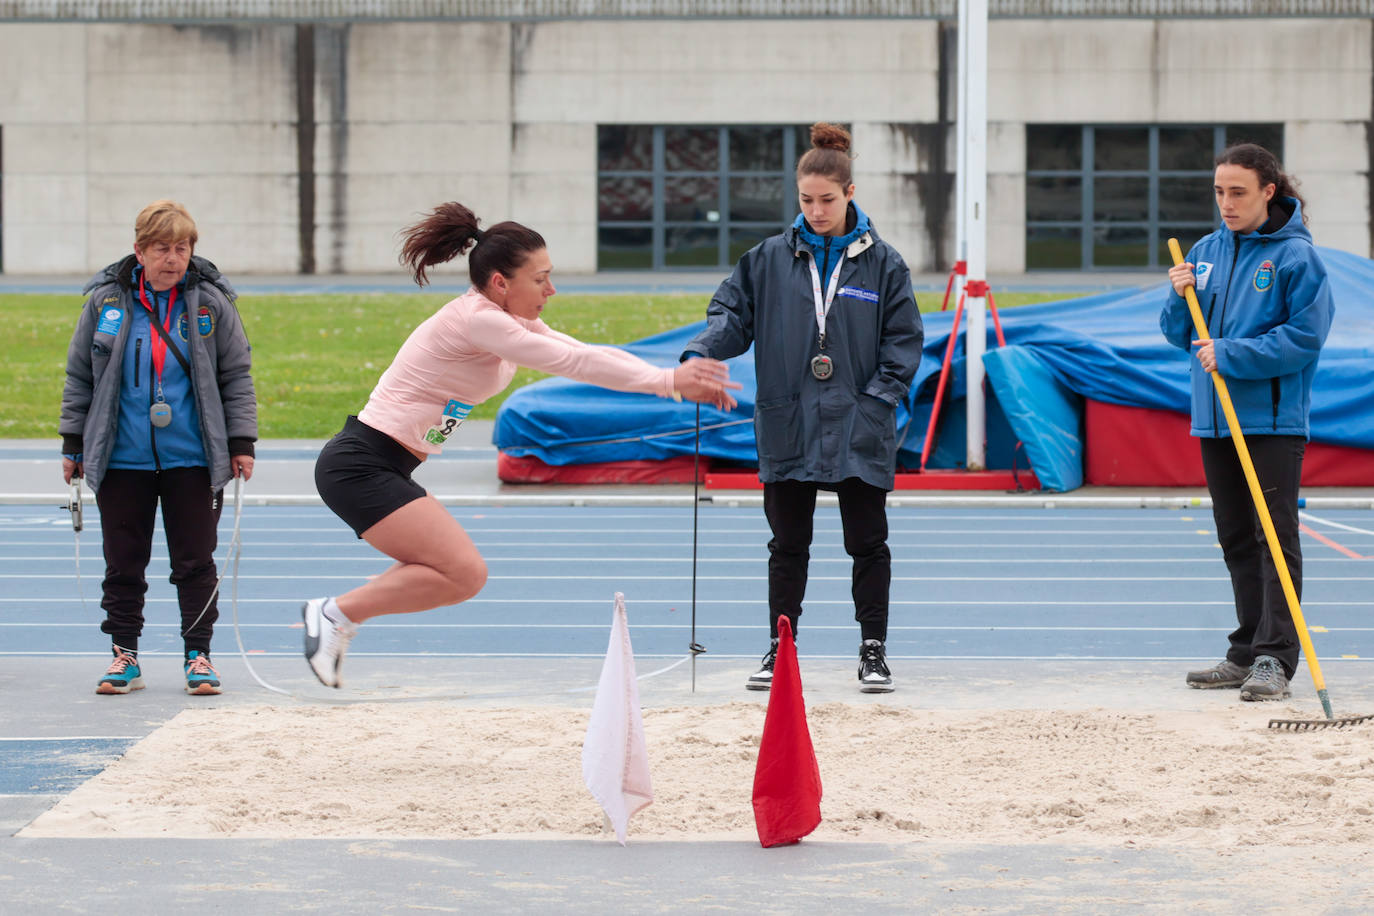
(455, 412)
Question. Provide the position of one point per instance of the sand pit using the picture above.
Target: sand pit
(890, 774)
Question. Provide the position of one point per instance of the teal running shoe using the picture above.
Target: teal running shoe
(123, 675)
(201, 677)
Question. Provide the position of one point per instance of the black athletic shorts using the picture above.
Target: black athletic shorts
(363, 475)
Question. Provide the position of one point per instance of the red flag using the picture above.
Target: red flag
(787, 781)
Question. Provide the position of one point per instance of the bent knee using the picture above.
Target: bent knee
(468, 579)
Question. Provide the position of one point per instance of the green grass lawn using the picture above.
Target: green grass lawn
(316, 358)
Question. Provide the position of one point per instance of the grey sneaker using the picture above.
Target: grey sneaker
(762, 679)
(1225, 673)
(874, 676)
(1266, 681)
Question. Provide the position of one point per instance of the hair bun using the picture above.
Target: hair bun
(825, 135)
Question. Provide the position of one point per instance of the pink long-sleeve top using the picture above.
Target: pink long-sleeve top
(468, 351)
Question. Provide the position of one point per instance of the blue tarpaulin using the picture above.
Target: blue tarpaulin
(1105, 348)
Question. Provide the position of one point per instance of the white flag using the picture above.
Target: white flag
(615, 761)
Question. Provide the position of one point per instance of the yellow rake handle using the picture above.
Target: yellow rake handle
(1261, 507)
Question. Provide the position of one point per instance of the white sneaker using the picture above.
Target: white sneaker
(325, 643)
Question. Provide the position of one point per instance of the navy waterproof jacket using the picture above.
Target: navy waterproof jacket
(823, 431)
(1267, 303)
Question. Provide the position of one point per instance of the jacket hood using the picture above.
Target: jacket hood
(122, 272)
(1292, 228)
(799, 232)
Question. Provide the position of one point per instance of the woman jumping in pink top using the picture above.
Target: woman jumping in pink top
(458, 357)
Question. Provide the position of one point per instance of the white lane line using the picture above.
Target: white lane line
(752, 656)
(1324, 521)
(80, 738)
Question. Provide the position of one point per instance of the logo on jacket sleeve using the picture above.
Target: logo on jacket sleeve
(1264, 276)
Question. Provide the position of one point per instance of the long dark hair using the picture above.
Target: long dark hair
(451, 229)
(829, 154)
(1266, 165)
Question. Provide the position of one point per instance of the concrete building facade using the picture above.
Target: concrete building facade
(304, 135)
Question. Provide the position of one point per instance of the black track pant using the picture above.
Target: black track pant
(790, 506)
(1266, 626)
(128, 502)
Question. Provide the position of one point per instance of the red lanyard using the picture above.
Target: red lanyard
(159, 344)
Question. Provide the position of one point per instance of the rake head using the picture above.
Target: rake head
(1307, 725)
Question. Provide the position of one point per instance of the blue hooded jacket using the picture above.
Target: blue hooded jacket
(1267, 303)
(138, 445)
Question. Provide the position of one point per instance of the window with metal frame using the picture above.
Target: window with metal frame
(677, 197)
(1110, 196)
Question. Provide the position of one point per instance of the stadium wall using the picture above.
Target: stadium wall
(104, 116)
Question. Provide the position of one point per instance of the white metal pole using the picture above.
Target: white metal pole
(975, 222)
(961, 145)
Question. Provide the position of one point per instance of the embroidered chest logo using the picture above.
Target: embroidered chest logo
(205, 321)
(183, 326)
(857, 292)
(110, 320)
(1264, 276)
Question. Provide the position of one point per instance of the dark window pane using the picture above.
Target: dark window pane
(690, 246)
(692, 198)
(691, 149)
(625, 149)
(1121, 148)
(756, 199)
(803, 144)
(1053, 248)
(1054, 199)
(1054, 147)
(755, 149)
(625, 248)
(1121, 198)
(1121, 246)
(1187, 237)
(741, 240)
(1188, 148)
(621, 199)
(1186, 199)
(1269, 136)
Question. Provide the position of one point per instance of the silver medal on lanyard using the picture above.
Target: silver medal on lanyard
(160, 412)
(822, 367)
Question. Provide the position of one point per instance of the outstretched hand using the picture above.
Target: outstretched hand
(706, 381)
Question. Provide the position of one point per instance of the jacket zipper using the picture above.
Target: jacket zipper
(138, 361)
(1221, 323)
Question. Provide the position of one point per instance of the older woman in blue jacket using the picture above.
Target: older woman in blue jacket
(828, 306)
(159, 410)
(1265, 297)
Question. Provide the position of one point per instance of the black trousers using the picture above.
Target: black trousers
(791, 506)
(128, 502)
(1266, 626)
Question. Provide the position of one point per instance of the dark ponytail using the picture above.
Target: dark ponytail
(829, 154)
(1266, 165)
(451, 229)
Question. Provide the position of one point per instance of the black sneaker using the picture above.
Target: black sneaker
(762, 679)
(1266, 681)
(874, 676)
(1224, 673)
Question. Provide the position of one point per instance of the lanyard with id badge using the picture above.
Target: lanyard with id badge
(822, 367)
(160, 412)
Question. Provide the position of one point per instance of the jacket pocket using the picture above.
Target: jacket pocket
(875, 427)
(100, 358)
(778, 428)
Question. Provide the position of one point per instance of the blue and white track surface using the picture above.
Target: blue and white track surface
(1003, 584)
(991, 608)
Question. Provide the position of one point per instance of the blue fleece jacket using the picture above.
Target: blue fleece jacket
(138, 445)
(1267, 303)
